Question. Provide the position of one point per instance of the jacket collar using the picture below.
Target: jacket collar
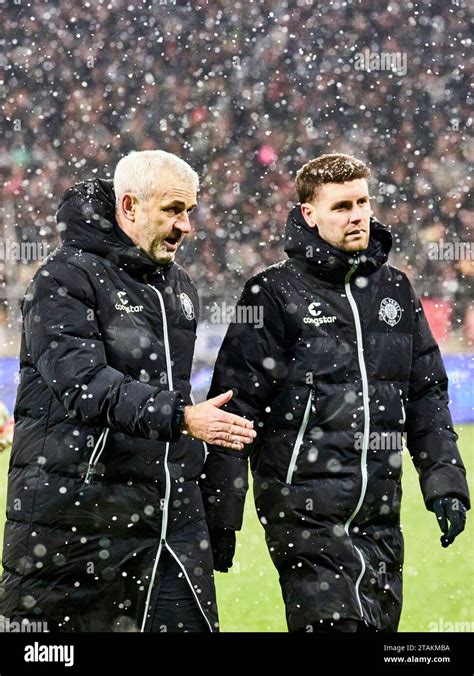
(304, 244)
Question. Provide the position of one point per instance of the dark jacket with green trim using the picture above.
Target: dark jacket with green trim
(101, 482)
(342, 365)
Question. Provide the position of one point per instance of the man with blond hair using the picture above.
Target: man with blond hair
(105, 523)
(342, 366)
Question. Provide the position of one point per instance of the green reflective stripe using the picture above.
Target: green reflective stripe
(299, 439)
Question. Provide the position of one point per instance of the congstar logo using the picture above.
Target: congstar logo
(124, 304)
(317, 317)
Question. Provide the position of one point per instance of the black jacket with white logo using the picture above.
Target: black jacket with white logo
(100, 483)
(342, 364)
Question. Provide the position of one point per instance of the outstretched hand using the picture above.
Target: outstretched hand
(451, 515)
(207, 422)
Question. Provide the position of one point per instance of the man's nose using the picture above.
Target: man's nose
(182, 222)
(356, 214)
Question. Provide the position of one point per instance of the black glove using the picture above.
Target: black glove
(223, 548)
(452, 510)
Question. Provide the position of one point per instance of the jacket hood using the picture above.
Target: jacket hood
(86, 220)
(325, 261)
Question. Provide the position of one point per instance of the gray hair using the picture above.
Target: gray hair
(139, 172)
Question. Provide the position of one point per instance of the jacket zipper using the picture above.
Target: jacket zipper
(95, 455)
(404, 415)
(365, 438)
(299, 438)
(164, 522)
(176, 558)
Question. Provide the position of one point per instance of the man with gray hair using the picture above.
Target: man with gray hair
(105, 523)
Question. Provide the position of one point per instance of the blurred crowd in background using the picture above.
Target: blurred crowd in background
(246, 92)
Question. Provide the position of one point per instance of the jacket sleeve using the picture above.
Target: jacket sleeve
(431, 439)
(64, 344)
(250, 362)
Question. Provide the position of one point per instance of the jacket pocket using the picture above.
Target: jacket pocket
(299, 438)
(95, 455)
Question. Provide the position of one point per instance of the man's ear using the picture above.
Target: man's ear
(307, 210)
(128, 203)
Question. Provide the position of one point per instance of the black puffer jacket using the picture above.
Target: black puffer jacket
(96, 488)
(344, 362)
